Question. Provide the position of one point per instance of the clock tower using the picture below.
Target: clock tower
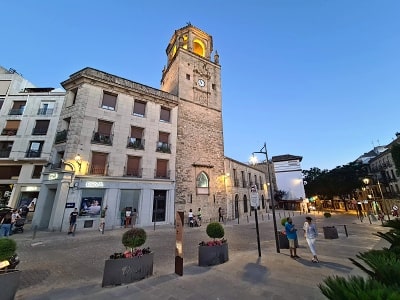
(195, 78)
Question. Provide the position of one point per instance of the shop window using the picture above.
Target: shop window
(202, 184)
(109, 101)
(139, 108)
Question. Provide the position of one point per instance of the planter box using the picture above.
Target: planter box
(213, 255)
(126, 270)
(330, 232)
(284, 242)
(9, 282)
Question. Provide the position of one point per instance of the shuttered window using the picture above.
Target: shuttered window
(139, 108)
(133, 166)
(136, 132)
(109, 101)
(165, 114)
(163, 137)
(19, 104)
(12, 124)
(104, 127)
(4, 85)
(41, 127)
(98, 165)
(162, 166)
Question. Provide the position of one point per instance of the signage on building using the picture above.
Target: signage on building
(53, 176)
(94, 184)
(70, 205)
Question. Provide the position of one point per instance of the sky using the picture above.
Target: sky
(312, 78)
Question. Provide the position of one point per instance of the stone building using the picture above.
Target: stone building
(125, 146)
(28, 124)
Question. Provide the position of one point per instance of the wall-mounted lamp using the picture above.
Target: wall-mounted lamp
(78, 160)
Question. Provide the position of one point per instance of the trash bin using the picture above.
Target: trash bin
(330, 232)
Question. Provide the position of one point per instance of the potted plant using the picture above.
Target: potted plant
(283, 240)
(132, 265)
(9, 276)
(330, 232)
(214, 252)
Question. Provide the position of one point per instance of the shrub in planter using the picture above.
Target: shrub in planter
(9, 277)
(216, 251)
(133, 264)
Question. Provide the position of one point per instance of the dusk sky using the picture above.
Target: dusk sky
(313, 78)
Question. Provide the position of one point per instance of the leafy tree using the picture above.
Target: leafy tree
(395, 151)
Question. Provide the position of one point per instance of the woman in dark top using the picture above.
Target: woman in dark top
(6, 224)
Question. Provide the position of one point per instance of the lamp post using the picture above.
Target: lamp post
(263, 150)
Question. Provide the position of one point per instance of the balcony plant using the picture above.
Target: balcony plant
(9, 276)
(214, 252)
(133, 264)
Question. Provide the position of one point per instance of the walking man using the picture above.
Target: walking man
(72, 220)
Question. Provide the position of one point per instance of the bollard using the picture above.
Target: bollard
(262, 216)
(279, 215)
(247, 218)
(268, 217)
(345, 230)
(34, 232)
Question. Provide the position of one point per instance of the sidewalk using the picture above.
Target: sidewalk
(244, 276)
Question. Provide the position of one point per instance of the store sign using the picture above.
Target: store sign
(94, 184)
(70, 205)
(53, 176)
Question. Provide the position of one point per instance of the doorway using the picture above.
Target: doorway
(159, 205)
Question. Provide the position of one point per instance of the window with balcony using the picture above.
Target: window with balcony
(99, 163)
(165, 114)
(162, 169)
(35, 149)
(244, 183)
(133, 166)
(162, 144)
(37, 172)
(139, 108)
(17, 108)
(103, 133)
(202, 184)
(136, 141)
(8, 172)
(4, 85)
(41, 127)
(245, 206)
(5, 149)
(109, 101)
(250, 182)
(46, 109)
(11, 127)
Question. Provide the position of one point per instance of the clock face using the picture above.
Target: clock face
(201, 82)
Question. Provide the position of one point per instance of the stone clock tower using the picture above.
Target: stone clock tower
(196, 79)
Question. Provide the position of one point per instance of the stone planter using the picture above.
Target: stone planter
(284, 242)
(213, 255)
(126, 270)
(9, 282)
(330, 232)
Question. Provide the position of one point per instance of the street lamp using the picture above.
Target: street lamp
(263, 150)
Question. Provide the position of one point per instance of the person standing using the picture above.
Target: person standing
(291, 234)
(220, 215)
(191, 220)
(15, 215)
(199, 216)
(6, 224)
(311, 234)
(134, 217)
(72, 220)
(103, 219)
(122, 218)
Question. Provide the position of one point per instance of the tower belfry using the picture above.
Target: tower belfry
(195, 78)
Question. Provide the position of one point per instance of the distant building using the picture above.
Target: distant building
(28, 124)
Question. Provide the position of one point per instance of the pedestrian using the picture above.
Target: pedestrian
(291, 234)
(311, 234)
(191, 221)
(6, 224)
(122, 218)
(72, 220)
(15, 215)
(220, 215)
(103, 219)
(128, 213)
(199, 216)
(134, 217)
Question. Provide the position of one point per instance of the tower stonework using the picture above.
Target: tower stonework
(191, 75)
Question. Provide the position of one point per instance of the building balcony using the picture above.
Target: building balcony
(45, 111)
(134, 173)
(163, 147)
(97, 171)
(134, 143)
(61, 137)
(100, 138)
(162, 174)
(9, 131)
(16, 111)
(32, 153)
(5, 153)
(39, 131)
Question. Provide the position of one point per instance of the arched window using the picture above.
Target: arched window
(202, 184)
(199, 48)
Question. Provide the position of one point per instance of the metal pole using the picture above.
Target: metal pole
(272, 202)
(258, 233)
